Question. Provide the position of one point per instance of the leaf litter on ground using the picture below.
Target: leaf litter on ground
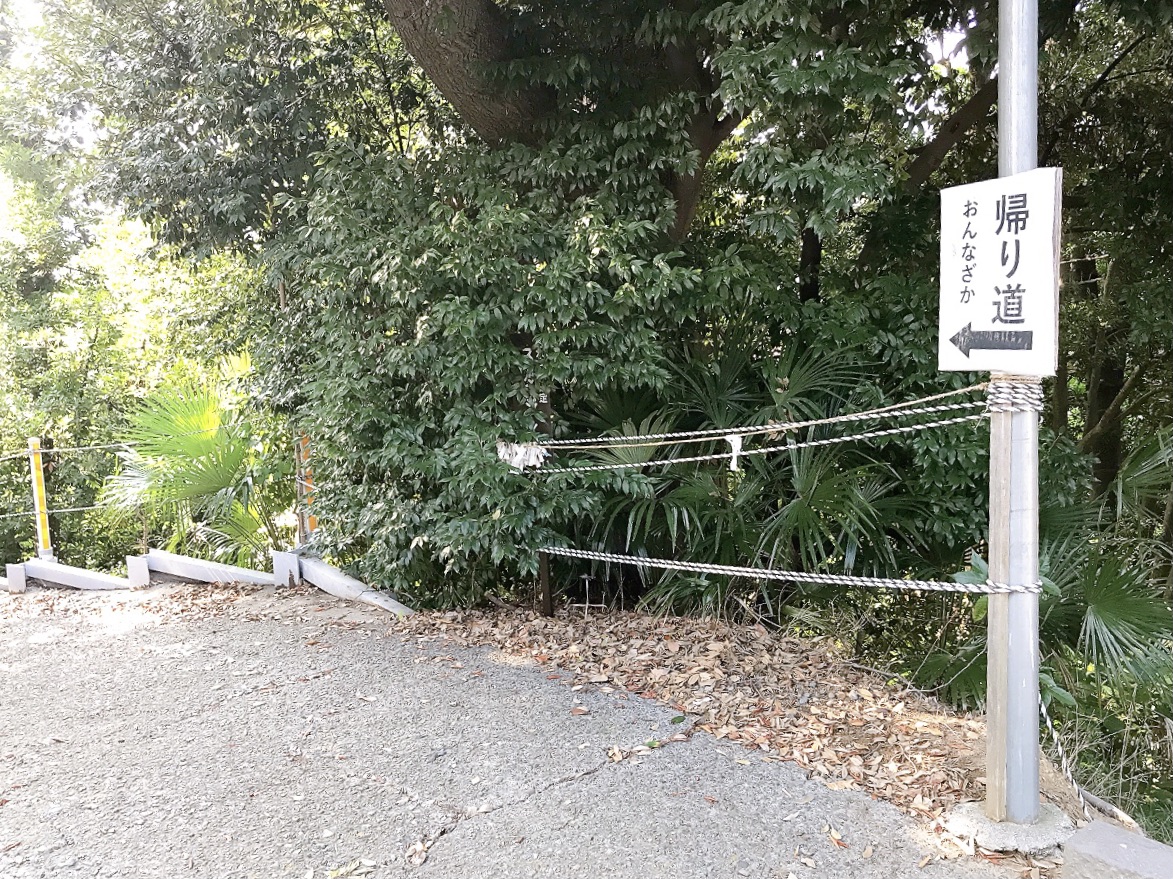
(784, 698)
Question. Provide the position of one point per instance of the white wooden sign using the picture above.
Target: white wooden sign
(1000, 275)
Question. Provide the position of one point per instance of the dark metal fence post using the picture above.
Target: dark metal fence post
(547, 597)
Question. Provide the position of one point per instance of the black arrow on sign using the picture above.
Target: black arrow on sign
(968, 339)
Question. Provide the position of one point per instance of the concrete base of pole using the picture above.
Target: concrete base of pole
(969, 821)
(16, 581)
(207, 572)
(67, 575)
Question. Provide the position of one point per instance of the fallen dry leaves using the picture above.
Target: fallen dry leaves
(177, 599)
(784, 698)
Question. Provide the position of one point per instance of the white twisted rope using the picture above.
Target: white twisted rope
(55, 512)
(126, 446)
(764, 450)
(709, 435)
(793, 576)
(1064, 763)
(912, 407)
(1014, 394)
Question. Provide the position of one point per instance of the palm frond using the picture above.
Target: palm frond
(1123, 617)
(1143, 482)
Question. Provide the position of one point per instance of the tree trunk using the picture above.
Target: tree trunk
(1059, 399)
(458, 43)
(1108, 447)
(1106, 385)
(808, 265)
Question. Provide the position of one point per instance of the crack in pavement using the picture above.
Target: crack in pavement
(418, 851)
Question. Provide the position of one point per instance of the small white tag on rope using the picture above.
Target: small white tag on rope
(734, 440)
(521, 455)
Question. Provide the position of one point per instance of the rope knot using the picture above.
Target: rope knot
(1014, 394)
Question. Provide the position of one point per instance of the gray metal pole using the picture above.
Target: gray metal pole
(1012, 769)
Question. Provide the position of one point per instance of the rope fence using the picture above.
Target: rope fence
(1006, 395)
(763, 450)
(127, 446)
(896, 410)
(986, 588)
(54, 512)
(1003, 394)
(1064, 763)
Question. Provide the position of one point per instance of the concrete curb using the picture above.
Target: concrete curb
(1105, 851)
(330, 579)
(198, 569)
(67, 575)
(289, 569)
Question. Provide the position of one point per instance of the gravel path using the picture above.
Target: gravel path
(164, 734)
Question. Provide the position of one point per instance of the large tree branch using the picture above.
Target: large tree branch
(709, 126)
(932, 154)
(1101, 80)
(458, 43)
(1112, 414)
(707, 131)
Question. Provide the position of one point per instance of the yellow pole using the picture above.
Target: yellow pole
(40, 502)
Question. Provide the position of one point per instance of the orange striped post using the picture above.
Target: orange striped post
(40, 501)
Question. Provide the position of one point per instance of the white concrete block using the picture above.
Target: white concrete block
(67, 575)
(15, 578)
(286, 568)
(330, 579)
(206, 572)
(138, 571)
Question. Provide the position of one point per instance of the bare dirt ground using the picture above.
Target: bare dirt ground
(198, 731)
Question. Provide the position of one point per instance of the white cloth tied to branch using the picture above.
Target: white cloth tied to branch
(521, 455)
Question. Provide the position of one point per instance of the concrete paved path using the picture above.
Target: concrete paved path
(290, 736)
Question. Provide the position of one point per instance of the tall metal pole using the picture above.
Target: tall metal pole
(1012, 763)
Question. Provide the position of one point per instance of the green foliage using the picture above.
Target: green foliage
(471, 291)
(210, 111)
(212, 478)
(93, 316)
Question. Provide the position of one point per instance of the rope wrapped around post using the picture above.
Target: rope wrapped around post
(1012, 393)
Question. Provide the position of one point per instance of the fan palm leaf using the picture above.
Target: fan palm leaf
(191, 464)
